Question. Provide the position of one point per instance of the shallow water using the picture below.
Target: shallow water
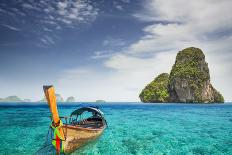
(162, 129)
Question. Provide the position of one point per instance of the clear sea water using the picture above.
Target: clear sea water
(133, 129)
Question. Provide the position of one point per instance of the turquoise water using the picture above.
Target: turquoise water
(141, 129)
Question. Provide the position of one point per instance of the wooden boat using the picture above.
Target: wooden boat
(82, 126)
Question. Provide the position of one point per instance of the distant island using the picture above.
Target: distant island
(13, 98)
(59, 98)
(70, 99)
(188, 82)
(100, 101)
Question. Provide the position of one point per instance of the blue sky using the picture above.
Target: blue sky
(107, 49)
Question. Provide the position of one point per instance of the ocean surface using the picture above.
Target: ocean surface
(133, 129)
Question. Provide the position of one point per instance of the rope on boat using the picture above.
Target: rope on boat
(49, 144)
(57, 138)
(43, 148)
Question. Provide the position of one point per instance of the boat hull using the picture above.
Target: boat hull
(78, 136)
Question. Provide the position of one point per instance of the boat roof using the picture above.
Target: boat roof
(88, 109)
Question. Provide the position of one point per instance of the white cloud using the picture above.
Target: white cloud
(11, 27)
(125, 1)
(122, 84)
(177, 24)
(27, 6)
(52, 15)
(192, 23)
(2, 11)
(198, 23)
(113, 42)
(62, 5)
(191, 11)
(119, 7)
(47, 29)
(78, 11)
(130, 64)
(102, 54)
(109, 43)
(85, 84)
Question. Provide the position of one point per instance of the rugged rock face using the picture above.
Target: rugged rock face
(189, 79)
(157, 90)
(188, 82)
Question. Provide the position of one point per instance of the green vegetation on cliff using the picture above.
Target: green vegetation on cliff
(157, 90)
(190, 66)
(188, 63)
(189, 81)
(218, 97)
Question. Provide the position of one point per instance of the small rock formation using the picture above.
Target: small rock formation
(70, 99)
(188, 82)
(59, 98)
(100, 101)
(157, 90)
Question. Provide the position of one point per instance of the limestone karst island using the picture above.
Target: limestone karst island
(188, 82)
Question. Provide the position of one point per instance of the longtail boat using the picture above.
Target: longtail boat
(85, 124)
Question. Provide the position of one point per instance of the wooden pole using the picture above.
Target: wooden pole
(51, 99)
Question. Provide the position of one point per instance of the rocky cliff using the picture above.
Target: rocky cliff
(189, 81)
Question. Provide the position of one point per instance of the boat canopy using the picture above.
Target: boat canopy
(88, 109)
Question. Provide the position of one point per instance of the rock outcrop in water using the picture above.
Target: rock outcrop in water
(59, 98)
(157, 90)
(189, 79)
(70, 99)
(188, 82)
(100, 101)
